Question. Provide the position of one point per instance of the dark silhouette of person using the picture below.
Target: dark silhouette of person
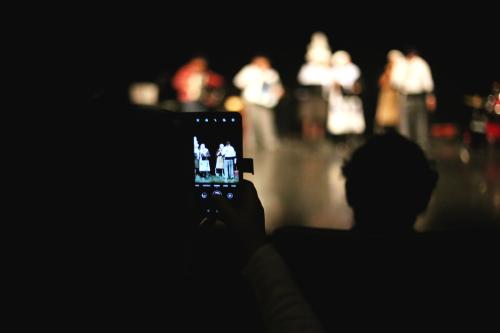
(389, 182)
(138, 252)
(382, 271)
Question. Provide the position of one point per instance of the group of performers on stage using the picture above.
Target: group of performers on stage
(225, 163)
(329, 98)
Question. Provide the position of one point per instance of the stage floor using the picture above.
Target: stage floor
(301, 184)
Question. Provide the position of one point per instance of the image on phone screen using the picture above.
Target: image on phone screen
(217, 153)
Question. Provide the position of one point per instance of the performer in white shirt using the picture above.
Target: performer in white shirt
(414, 79)
(345, 113)
(261, 90)
(314, 77)
(229, 160)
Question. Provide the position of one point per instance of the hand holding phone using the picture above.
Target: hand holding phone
(245, 217)
(217, 148)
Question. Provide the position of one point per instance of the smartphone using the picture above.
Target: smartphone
(217, 141)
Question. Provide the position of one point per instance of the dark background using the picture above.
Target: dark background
(121, 45)
(115, 46)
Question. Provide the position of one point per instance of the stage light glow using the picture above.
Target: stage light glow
(496, 201)
(464, 155)
(234, 104)
(144, 93)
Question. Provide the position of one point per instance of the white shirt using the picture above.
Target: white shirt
(413, 76)
(258, 85)
(204, 152)
(345, 75)
(314, 74)
(195, 86)
(228, 151)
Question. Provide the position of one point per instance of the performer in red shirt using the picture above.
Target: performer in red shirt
(198, 88)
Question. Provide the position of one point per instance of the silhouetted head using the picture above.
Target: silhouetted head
(388, 184)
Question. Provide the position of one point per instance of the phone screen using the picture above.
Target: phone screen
(217, 153)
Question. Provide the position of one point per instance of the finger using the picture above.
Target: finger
(246, 202)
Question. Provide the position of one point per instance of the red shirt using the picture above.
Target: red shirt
(184, 78)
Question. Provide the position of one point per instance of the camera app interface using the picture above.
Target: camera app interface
(216, 151)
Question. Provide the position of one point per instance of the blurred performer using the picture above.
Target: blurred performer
(262, 91)
(493, 109)
(414, 79)
(219, 164)
(345, 114)
(389, 106)
(314, 76)
(197, 86)
(229, 160)
(204, 161)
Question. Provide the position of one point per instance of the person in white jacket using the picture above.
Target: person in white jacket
(261, 91)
